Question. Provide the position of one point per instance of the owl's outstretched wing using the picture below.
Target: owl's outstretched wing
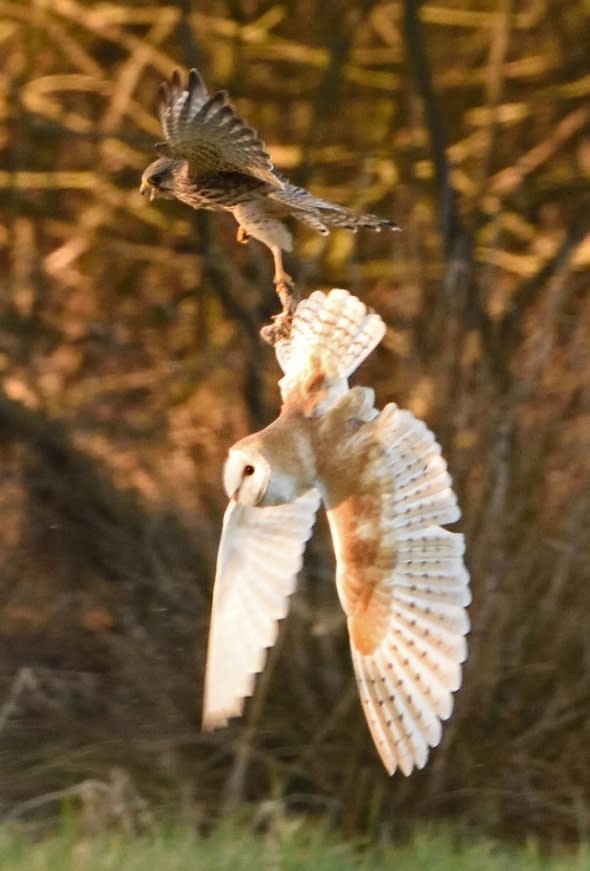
(402, 583)
(260, 555)
(207, 133)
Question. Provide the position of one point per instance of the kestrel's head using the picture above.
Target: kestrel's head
(158, 180)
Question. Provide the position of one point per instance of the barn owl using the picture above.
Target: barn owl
(211, 159)
(400, 575)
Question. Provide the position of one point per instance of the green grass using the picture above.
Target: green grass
(296, 846)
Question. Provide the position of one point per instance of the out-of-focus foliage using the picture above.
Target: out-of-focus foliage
(130, 362)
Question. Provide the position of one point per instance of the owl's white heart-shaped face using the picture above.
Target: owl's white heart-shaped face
(246, 476)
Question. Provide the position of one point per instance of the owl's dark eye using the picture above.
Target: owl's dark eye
(249, 470)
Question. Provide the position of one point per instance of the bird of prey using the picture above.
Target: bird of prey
(400, 575)
(212, 160)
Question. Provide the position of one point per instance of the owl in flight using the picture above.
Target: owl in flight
(212, 160)
(385, 487)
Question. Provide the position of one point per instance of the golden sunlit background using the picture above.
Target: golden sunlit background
(130, 362)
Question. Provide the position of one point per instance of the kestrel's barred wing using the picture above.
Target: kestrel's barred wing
(260, 555)
(330, 337)
(208, 133)
(402, 583)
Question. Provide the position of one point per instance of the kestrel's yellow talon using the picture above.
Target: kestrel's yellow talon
(286, 293)
(284, 284)
(242, 236)
(280, 328)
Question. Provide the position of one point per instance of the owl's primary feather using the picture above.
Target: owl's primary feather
(385, 486)
(246, 613)
(212, 159)
(401, 582)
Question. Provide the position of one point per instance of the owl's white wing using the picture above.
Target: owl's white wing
(260, 555)
(402, 583)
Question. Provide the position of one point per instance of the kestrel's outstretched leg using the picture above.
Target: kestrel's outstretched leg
(283, 282)
(257, 220)
(280, 328)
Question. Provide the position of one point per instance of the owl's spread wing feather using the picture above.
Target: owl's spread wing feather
(260, 555)
(330, 337)
(208, 133)
(402, 583)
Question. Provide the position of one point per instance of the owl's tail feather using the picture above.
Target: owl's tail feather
(330, 337)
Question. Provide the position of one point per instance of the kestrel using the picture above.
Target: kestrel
(212, 160)
(400, 575)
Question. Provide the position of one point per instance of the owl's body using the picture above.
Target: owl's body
(400, 576)
(212, 160)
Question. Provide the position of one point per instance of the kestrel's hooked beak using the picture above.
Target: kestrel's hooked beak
(147, 188)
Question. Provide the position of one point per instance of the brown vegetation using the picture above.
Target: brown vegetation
(131, 361)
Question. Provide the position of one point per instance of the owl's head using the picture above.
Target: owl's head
(259, 474)
(158, 179)
(246, 476)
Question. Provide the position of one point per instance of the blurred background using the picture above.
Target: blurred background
(130, 362)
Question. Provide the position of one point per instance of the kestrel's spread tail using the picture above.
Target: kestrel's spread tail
(211, 159)
(384, 484)
(323, 214)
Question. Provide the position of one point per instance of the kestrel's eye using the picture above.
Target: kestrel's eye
(249, 470)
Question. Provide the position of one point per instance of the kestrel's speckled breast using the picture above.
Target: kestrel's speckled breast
(223, 190)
